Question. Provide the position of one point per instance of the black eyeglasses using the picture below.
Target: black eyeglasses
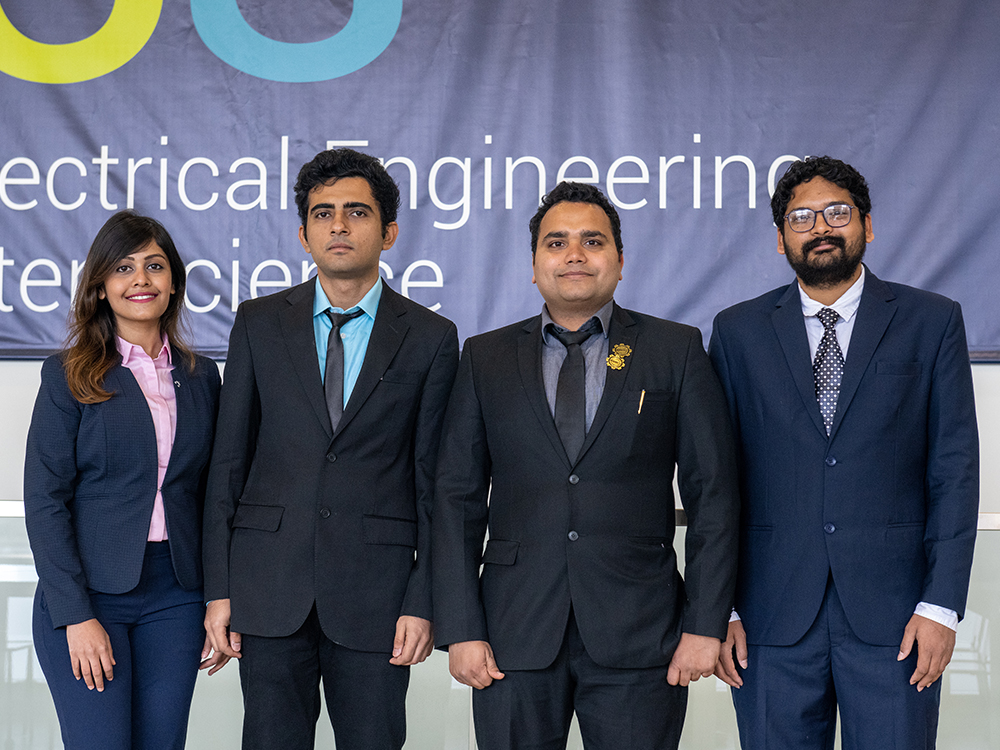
(804, 219)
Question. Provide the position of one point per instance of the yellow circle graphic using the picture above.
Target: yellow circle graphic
(127, 30)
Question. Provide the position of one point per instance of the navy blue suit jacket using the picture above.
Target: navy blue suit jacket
(90, 481)
(888, 502)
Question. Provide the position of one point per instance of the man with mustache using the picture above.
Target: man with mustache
(572, 424)
(858, 457)
(317, 517)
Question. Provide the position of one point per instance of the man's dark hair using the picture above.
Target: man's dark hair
(329, 166)
(576, 192)
(841, 174)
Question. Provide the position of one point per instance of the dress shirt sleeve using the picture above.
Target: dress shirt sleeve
(940, 615)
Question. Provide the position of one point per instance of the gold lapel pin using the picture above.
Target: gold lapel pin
(616, 360)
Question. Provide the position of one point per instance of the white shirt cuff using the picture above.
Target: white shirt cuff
(946, 617)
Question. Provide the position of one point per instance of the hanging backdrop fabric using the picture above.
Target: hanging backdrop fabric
(200, 113)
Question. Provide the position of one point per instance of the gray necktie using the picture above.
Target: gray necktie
(828, 367)
(333, 379)
(571, 395)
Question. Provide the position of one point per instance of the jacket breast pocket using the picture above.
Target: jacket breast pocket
(386, 530)
(649, 402)
(652, 412)
(500, 552)
(903, 369)
(259, 517)
(399, 375)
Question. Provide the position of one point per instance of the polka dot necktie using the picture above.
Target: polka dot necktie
(828, 367)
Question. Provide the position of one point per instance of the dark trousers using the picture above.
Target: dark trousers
(157, 634)
(365, 694)
(616, 708)
(790, 694)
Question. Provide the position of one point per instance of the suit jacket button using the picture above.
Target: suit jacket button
(829, 528)
(331, 457)
(324, 513)
(573, 536)
(831, 461)
(574, 479)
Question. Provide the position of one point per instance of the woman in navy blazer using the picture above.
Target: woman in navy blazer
(113, 493)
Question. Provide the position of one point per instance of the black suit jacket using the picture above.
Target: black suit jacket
(296, 516)
(90, 475)
(596, 534)
(888, 502)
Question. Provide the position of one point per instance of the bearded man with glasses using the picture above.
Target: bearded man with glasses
(858, 456)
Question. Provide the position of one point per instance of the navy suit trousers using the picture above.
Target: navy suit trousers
(791, 694)
(157, 633)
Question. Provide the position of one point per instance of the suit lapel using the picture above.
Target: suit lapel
(529, 365)
(387, 335)
(186, 413)
(877, 308)
(121, 379)
(790, 328)
(622, 331)
(300, 340)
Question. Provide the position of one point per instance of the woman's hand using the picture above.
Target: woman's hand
(90, 653)
(212, 660)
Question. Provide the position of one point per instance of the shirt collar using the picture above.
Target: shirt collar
(131, 351)
(368, 303)
(846, 306)
(603, 316)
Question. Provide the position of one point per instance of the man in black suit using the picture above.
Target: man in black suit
(858, 453)
(317, 521)
(580, 606)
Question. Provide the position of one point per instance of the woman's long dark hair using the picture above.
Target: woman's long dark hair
(91, 350)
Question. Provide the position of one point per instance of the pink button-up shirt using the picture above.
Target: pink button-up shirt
(157, 385)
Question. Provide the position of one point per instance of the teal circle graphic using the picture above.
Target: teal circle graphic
(224, 30)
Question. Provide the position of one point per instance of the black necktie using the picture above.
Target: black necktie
(333, 380)
(828, 367)
(571, 396)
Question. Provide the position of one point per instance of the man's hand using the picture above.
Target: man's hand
(472, 664)
(695, 657)
(223, 639)
(935, 642)
(90, 653)
(736, 640)
(414, 641)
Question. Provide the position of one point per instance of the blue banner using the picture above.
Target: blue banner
(201, 112)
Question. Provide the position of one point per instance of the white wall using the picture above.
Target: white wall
(19, 383)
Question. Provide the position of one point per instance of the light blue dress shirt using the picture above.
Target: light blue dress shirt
(354, 333)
